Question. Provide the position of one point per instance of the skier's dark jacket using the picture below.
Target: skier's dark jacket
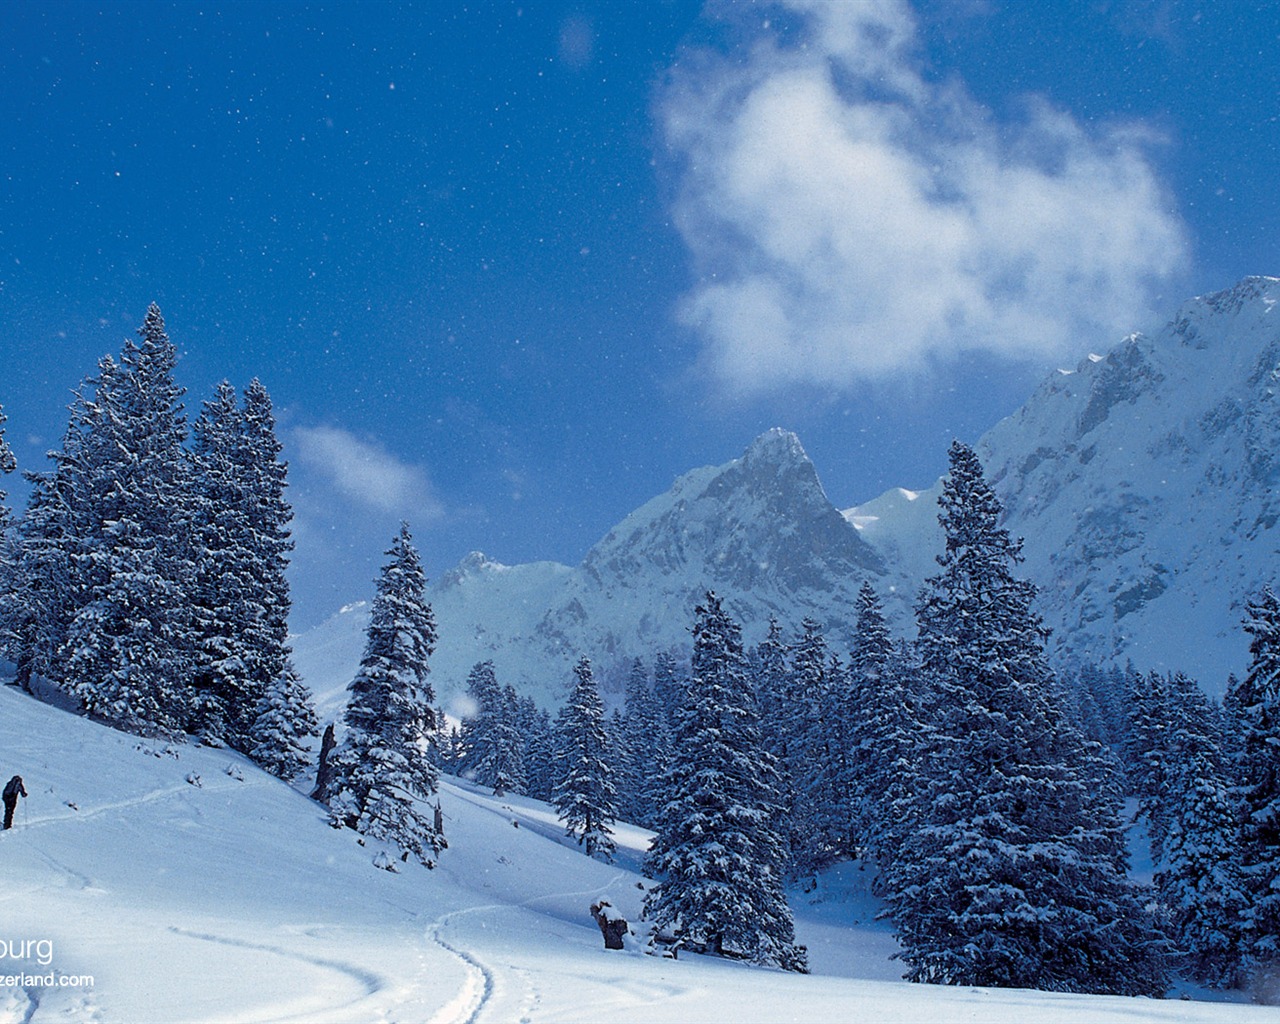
(15, 788)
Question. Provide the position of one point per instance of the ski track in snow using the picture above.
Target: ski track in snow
(465, 1007)
(368, 983)
(486, 994)
(156, 795)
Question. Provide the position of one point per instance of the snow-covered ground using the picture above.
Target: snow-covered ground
(189, 886)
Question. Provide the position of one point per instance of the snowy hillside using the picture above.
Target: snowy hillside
(189, 886)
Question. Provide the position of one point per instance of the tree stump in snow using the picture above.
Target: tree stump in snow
(613, 926)
(323, 770)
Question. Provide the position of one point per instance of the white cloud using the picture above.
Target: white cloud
(366, 473)
(849, 218)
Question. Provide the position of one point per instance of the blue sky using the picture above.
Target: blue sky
(508, 269)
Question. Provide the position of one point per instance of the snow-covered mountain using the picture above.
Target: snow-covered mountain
(759, 530)
(1143, 483)
(1144, 486)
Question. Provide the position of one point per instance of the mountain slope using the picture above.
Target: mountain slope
(1144, 486)
(759, 530)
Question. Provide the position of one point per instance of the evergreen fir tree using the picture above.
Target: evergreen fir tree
(911, 738)
(616, 752)
(539, 751)
(669, 684)
(585, 796)
(43, 592)
(1233, 728)
(14, 619)
(269, 515)
(127, 648)
(124, 658)
(718, 855)
(224, 612)
(1126, 953)
(382, 776)
(1201, 887)
(646, 744)
(285, 719)
(1006, 881)
(769, 669)
(836, 783)
(8, 553)
(1258, 701)
(494, 747)
(876, 721)
(1150, 754)
(811, 738)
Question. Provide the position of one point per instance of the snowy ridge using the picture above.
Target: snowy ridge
(190, 886)
(759, 530)
(1144, 485)
(1143, 482)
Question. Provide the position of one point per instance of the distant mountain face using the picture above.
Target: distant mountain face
(1144, 484)
(759, 531)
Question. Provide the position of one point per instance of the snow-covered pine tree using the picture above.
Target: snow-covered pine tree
(446, 744)
(768, 667)
(912, 743)
(877, 722)
(646, 746)
(35, 622)
(614, 728)
(669, 683)
(494, 748)
(627, 747)
(223, 609)
(1126, 953)
(718, 856)
(128, 647)
(382, 776)
(1232, 728)
(7, 465)
(269, 516)
(1004, 877)
(585, 795)
(1078, 698)
(1150, 753)
(284, 721)
(539, 750)
(815, 769)
(837, 819)
(9, 552)
(1257, 700)
(242, 598)
(1171, 723)
(1201, 887)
